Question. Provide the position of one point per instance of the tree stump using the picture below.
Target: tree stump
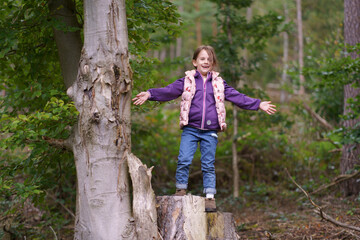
(144, 210)
(184, 218)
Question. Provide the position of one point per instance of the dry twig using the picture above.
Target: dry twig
(336, 234)
(53, 232)
(319, 211)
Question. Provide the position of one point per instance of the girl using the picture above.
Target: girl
(202, 115)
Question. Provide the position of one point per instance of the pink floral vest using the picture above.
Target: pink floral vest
(189, 92)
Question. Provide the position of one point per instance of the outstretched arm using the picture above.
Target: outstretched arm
(267, 107)
(168, 93)
(141, 98)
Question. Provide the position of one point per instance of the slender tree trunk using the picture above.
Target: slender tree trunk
(156, 54)
(102, 95)
(351, 152)
(285, 54)
(245, 52)
(162, 54)
(172, 52)
(68, 43)
(214, 28)
(198, 24)
(178, 47)
(235, 131)
(179, 42)
(301, 47)
(179, 39)
(235, 158)
(235, 153)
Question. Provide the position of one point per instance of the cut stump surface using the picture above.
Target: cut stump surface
(184, 218)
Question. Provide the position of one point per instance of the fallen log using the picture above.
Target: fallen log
(184, 217)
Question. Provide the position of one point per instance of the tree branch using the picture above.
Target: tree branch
(62, 205)
(337, 180)
(59, 143)
(317, 117)
(320, 212)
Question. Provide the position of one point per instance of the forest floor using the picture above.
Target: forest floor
(296, 219)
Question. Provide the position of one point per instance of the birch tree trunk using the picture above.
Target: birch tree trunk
(102, 95)
(351, 152)
(301, 47)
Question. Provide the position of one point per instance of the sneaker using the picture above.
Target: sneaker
(180, 192)
(210, 205)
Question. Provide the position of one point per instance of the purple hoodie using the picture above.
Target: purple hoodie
(203, 113)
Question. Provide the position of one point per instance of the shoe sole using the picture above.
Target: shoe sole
(210, 210)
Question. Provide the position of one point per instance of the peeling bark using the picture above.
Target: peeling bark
(144, 204)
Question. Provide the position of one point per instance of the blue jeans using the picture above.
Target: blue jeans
(190, 138)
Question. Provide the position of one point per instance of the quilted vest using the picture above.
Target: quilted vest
(189, 92)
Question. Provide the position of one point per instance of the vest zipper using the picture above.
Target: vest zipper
(204, 98)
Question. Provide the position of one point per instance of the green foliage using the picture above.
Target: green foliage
(146, 18)
(149, 24)
(237, 33)
(333, 74)
(157, 139)
(28, 130)
(35, 106)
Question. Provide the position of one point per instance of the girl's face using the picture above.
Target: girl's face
(203, 63)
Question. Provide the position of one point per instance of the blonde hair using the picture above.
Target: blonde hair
(210, 51)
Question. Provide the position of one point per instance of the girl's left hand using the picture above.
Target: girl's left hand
(267, 107)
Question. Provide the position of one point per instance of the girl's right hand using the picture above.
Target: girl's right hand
(141, 98)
